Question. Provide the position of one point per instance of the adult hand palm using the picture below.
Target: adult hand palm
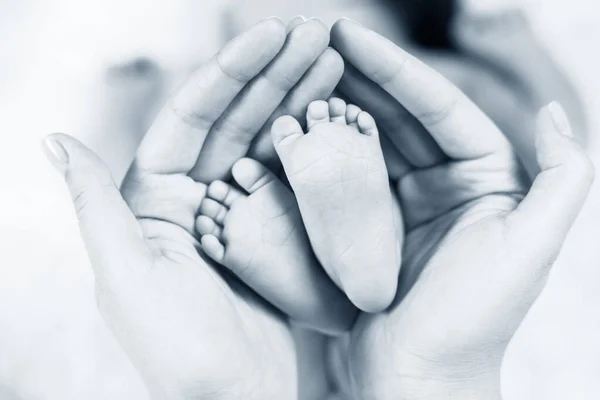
(191, 328)
(195, 331)
(476, 255)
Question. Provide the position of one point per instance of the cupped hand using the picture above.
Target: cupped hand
(479, 242)
(190, 327)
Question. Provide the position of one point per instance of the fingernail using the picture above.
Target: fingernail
(560, 119)
(56, 153)
(349, 19)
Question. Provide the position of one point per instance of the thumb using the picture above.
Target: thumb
(560, 189)
(110, 231)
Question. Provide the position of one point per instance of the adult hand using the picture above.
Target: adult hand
(190, 328)
(478, 247)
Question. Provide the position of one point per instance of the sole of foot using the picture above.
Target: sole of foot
(341, 183)
(257, 233)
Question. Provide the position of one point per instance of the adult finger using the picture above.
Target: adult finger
(174, 141)
(510, 264)
(560, 189)
(461, 129)
(230, 137)
(111, 233)
(294, 22)
(406, 133)
(317, 84)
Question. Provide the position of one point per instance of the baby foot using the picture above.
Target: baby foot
(258, 234)
(339, 177)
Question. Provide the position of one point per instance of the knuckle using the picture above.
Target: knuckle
(582, 167)
(234, 129)
(189, 116)
(442, 111)
(235, 74)
(384, 75)
(84, 196)
(280, 79)
(80, 202)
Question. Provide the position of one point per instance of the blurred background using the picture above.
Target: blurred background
(99, 69)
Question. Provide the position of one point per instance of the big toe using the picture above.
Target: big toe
(285, 131)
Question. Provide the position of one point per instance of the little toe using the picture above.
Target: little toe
(252, 175)
(285, 131)
(317, 113)
(223, 193)
(213, 248)
(352, 112)
(214, 210)
(207, 226)
(337, 110)
(366, 124)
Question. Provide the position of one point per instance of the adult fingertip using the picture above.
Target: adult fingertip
(345, 21)
(556, 146)
(56, 152)
(333, 61)
(343, 26)
(274, 21)
(275, 28)
(559, 118)
(245, 55)
(560, 189)
(272, 29)
(295, 22)
(316, 30)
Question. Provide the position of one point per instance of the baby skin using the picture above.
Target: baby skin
(261, 226)
(257, 233)
(341, 184)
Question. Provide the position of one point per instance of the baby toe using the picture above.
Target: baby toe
(366, 124)
(213, 248)
(214, 210)
(223, 193)
(252, 175)
(317, 113)
(207, 226)
(352, 112)
(337, 110)
(284, 130)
